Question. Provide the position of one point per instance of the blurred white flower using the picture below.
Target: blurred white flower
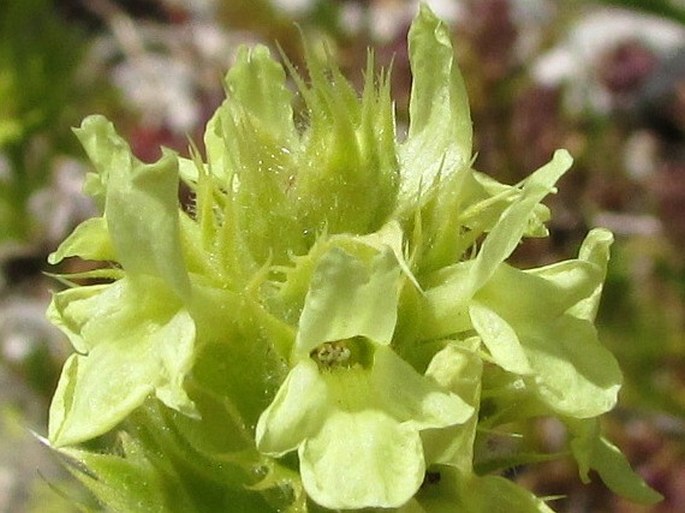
(160, 87)
(573, 62)
(293, 7)
(61, 205)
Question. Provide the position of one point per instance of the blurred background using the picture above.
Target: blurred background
(604, 79)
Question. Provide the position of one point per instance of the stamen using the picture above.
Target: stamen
(332, 354)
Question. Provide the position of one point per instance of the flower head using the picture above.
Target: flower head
(344, 292)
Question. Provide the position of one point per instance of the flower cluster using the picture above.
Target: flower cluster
(332, 291)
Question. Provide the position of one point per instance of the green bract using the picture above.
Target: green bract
(328, 291)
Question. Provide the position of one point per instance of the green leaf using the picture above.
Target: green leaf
(664, 8)
(615, 471)
(257, 84)
(440, 133)
(130, 484)
(251, 143)
(592, 451)
(513, 223)
(348, 175)
(469, 493)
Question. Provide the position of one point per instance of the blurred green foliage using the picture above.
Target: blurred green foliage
(39, 55)
(667, 8)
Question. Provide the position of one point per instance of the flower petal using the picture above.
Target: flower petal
(349, 297)
(574, 374)
(458, 368)
(140, 205)
(70, 309)
(412, 398)
(500, 339)
(90, 241)
(299, 409)
(362, 459)
(136, 345)
(514, 221)
(595, 250)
